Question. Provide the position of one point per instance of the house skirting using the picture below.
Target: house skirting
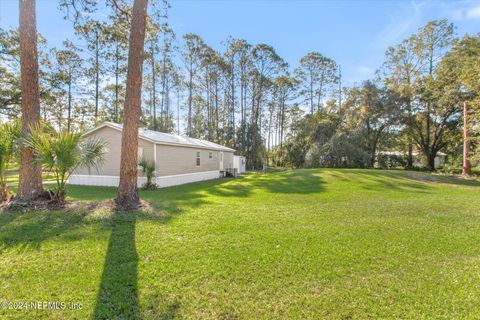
(162, 182)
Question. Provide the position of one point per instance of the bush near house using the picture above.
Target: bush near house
(61, 152)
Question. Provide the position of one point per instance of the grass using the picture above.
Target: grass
(317, 244)
(13, 178)
(459, 170)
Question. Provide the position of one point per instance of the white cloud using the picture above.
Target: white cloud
(366, 71)
(465, 11)
(473, 13)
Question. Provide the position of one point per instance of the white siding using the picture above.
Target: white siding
(239, 163)
(173, 160)
(162, 182)
(111, 163)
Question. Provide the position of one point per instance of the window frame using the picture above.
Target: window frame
(198, 156)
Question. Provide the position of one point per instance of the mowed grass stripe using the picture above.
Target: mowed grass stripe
(312, 244)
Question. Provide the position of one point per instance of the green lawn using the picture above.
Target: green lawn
(317, 244)
(12, 178)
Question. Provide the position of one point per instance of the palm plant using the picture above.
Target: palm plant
(62, 152)
(9, 132)
(148, 169)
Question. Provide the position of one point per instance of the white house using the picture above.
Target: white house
(178, 159)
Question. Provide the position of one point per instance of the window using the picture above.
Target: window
(139, 156)
(198, 158)
(210, 155)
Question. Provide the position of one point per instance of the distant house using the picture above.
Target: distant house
(178, 159)
(391, 159)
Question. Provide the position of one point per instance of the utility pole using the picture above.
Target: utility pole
(466, 142)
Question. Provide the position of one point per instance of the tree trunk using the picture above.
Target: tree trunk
(410, 143)
(167, 120)
(97, 75)
(69, 111)
(311, 95)
(339, 90)
(30, 186)
(466, 142)
(232, 88)
(282, 124)
(154, 91)
(242, 112)
(164, 96)
(320, 93)
(410, 155)
(431, 160)
(190, 94)
(127, 198)
(217, 133)
(178, 111)
(117, 58)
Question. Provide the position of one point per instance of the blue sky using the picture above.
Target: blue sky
(354, 33)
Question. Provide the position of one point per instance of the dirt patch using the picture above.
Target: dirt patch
(36, 205)
(69, 206)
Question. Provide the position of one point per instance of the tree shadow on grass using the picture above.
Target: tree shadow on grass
(118, 294)
(399, 180)
(29, 230)
(281, 182)
(380, 180)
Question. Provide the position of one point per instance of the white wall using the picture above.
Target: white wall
(162, 182)
(239, 163)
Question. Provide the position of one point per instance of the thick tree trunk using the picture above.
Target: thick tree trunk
(410, 156)
(127, 198)
(30, 186)
(466, 142)
(431, 161)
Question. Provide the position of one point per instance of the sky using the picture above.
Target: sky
(353, 33)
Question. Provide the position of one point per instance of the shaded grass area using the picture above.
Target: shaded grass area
(328, 244)
(13, 178)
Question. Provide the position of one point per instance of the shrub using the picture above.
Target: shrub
(387, 161)
(148, 169)
(62, 152)
(9, 133)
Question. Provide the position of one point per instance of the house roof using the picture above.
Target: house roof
(166, 138)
